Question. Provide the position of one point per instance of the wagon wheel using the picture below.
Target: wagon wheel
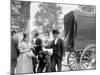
(72, 61)
(88, 57)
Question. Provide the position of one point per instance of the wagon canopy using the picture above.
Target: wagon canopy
(70, 28)
(80, 29)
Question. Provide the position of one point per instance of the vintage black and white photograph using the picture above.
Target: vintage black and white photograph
(52, 37)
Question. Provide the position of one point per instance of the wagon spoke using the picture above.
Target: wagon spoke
(86, 54)
(86, 57)
(71, 63)
(72, 59)
(72, 55)
(74, 66)
(83, 66)
(77, 66)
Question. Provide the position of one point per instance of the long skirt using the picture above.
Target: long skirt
(24, 64)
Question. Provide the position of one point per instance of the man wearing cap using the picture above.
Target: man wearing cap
(58, 51)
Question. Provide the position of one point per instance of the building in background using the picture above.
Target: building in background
(87, 8)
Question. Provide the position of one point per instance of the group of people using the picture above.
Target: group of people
(29, 57)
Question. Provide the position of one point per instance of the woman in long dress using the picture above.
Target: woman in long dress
(24, 61)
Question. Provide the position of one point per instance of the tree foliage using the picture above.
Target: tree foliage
(48, 15)
(19, 13)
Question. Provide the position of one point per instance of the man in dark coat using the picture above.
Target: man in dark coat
(58, 51)
(14, 52)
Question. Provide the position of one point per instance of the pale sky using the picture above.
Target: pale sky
(34, 8)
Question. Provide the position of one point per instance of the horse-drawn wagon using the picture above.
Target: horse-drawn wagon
(80, 39)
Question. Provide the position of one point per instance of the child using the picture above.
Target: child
(44, 62)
